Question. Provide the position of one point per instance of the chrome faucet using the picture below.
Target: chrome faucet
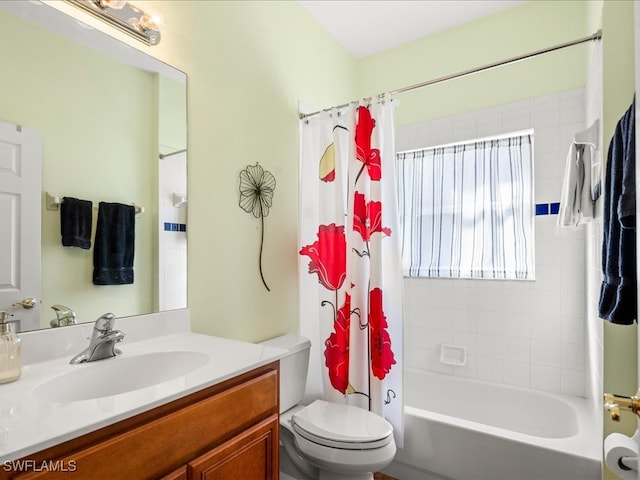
(65, 316)
(103, 341)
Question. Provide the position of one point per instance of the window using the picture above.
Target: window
(466, 210)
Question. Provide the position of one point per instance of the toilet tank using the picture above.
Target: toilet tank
(293, 368)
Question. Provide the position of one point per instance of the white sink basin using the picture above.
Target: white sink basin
(120, 374)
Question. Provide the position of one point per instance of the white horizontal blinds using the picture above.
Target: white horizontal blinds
(467, 210)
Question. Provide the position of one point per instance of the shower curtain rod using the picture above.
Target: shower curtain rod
(165, 155)
(489, 66)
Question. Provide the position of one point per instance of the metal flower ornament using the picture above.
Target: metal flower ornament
(256, 195)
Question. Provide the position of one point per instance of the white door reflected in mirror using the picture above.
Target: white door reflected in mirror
(20, 172)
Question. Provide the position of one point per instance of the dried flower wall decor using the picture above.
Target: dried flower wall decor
(256, 194)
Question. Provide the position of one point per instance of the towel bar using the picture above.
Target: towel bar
(53, 202)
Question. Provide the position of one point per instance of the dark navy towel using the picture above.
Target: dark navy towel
(114, 244)
(75, 222)
(618, 297)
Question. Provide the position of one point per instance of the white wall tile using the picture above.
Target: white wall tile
(573, 356)
(517, 324)
(572, 304)
(442, 293)
(572, 329)
(572, 382)
(489, 323)
(545, 378)
(547, 140)
(416, 358)
(545, 112)
(464, 296)
(517, 373)
(545, 327)
(470, 370)
(489, 346)
(546, 352)
(464, 320)
(547, 249)
(547, 165)
(572, 106)
(573, 253)
(435, 365)
(437, 337)
(517, 349)
(516, 116)
(517, 299)
(489, 122)
(464, 127)
(490, 369)
(528, 334)
(415, 336)
(441, 131)
(546, 302)
(547, 190)
(467, 340)
(551, 275)
(441, 318)
(489, 299)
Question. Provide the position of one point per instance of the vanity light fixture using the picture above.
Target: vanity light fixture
(132, 20)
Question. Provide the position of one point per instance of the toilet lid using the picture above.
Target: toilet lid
(341, 426)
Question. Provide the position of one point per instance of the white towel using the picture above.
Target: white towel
(582, 179)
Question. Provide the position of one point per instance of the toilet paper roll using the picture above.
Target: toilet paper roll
(617, 446)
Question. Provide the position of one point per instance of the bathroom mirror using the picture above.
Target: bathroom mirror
(112, 121)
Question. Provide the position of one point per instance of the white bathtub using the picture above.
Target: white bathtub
(472, 430)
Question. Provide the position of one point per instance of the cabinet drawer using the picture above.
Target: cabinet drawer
(151, 450)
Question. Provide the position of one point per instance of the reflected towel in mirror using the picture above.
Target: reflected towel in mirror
(75, 222)
(114, 244)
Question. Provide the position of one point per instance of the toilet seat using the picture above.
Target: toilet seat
(341, 426)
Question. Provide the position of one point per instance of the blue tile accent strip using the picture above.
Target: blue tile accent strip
(542, 209)
(547, 208)
(175, 227)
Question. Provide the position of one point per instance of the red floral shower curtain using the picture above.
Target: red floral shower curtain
(350, 275)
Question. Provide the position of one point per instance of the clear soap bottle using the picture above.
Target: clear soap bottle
(10, 355)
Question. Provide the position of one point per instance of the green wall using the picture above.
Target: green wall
(620, 341)
(172, 113)
(249, 64)
(527, 28)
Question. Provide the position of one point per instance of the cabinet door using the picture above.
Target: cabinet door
(251, 455)
(179, 474)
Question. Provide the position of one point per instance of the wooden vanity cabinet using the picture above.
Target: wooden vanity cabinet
(227, 431)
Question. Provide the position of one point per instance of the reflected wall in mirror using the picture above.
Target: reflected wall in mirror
(113, 127)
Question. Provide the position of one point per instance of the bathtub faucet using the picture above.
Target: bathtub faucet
(614, 403)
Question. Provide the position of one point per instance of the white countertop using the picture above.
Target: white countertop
(29, 424)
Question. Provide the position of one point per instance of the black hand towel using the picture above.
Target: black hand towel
(75, 222)
(114, 244)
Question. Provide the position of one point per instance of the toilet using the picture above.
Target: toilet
(325, 440)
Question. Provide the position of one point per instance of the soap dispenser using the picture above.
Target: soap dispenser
(10, 357)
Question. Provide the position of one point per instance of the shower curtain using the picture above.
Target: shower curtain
(349, 262)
